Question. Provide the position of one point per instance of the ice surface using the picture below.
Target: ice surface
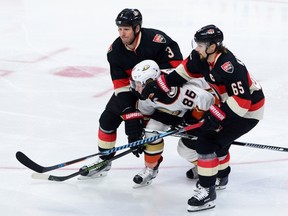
(55, 82)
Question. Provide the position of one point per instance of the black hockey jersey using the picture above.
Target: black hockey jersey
(240, 94)
(151, 44)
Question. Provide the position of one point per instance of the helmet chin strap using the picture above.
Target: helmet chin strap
(135, 35)
(209, 53)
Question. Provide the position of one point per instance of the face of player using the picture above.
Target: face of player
(126, 34)
(139, 87)
(203, 49)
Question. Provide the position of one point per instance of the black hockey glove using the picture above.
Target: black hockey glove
(186, 120)
(137, 150)
(134, 125)
(213, 118)
(158, 87)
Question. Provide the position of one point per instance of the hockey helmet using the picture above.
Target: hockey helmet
(144, 72)
(209, 34)
(129, 17)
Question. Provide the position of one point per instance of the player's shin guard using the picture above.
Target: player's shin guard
(106, 141)
(223, 172)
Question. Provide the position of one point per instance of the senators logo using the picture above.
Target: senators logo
(228, 67)
(159, 39)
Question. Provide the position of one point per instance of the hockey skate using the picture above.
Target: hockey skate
(97, 172)
(202, 199)
(221, 183)
(192, 173)
(145, 177)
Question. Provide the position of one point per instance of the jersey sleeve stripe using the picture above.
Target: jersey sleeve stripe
(119, 83)
(183, 71)
(238, 105)
(257, 105)
(175, 63)
(123, 89)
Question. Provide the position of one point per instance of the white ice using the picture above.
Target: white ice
(55, 82)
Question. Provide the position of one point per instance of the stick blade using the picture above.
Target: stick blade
(22, 158)
(40, 176)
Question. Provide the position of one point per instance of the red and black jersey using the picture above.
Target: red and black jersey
(151, 44)
(240, 94)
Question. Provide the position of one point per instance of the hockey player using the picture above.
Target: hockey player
(241, 108)
(193, 97)
(133, 45)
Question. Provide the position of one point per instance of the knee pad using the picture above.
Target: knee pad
(109, 121)
(187, 153)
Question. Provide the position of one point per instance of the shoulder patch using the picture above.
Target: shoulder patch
(228, 67)
(109, 49)
(159, 38)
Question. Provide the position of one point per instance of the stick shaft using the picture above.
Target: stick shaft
(26, 161)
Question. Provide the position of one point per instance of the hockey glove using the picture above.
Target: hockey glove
(157, 87)
(137, 150)
(187, 119)
(134, 124)
(213, 118)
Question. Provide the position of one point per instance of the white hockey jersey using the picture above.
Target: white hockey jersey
(194, 93)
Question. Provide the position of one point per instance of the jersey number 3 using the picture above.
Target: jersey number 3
(170, 52)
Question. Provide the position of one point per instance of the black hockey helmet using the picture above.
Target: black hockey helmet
(209, 34)
(129, 17)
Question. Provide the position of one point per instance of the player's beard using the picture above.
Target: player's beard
(202, 58)
(128, 42)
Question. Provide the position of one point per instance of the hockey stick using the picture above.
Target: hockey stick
(181, 135)
(99, 166)
(26, 161)
(261, 146)
(246, 144)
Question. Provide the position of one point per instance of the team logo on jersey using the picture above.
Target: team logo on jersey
(173, 92)
(228, 67)
(159, 38)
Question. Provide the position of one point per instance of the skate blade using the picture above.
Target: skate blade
(208, 205)
(95, 176)
(142, 185)
(220, 187)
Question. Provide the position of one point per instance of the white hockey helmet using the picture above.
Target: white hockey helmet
(144, 71)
